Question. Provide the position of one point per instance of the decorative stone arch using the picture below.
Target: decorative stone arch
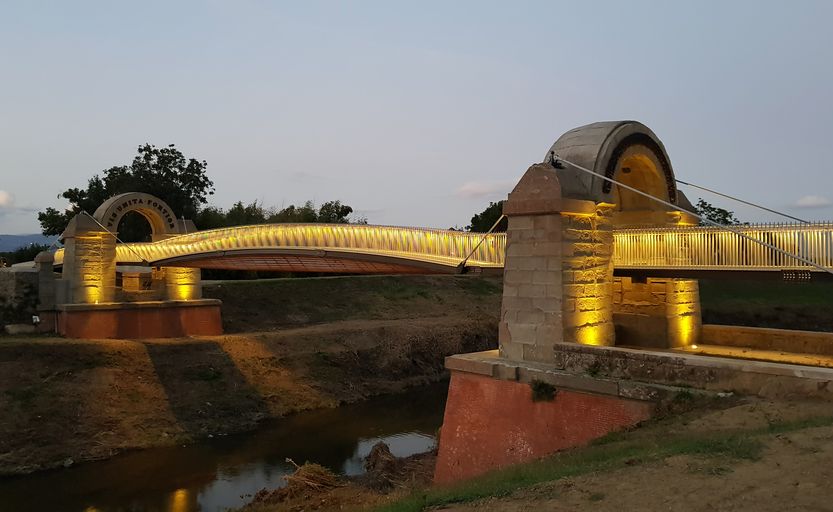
(160, 216)
(629, 152)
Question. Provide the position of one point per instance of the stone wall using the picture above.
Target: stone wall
(531, 310)
(18, 294)
(491, 423)
(660, 313)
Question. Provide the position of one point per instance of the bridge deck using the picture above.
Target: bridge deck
(681, 252)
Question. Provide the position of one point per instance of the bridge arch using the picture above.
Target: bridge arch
(160, 216)
(629, 152)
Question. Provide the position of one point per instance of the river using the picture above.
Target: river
(223, 472)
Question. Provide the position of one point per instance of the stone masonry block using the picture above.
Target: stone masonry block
(533, 263)
(546, 277)
(532, 291)
(546, 249)
(539, 353)
(520, 249)
(533, 316)
(512, 351)
(520, 222)
(549, 304)
(522, 333)
(510, 290)
(518, 277)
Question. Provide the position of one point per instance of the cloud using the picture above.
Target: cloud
(484, 189)
(6, 199)
(8, 208)
(812, 201)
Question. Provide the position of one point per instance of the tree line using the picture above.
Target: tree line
(183, 183)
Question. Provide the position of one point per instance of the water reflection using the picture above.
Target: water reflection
(225, 472)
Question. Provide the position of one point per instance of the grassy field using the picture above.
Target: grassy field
(804, 306)
(269, 304)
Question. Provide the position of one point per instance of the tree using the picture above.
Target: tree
(164, 172)
(210, 217)
(306, 214)
(240, 215)
(484, 220)
(715, 214)
(333, 212)
(21, 254)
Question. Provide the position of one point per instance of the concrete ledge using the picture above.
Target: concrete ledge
(802, 342)
(771, 380)
(490, 364)
(148, 304)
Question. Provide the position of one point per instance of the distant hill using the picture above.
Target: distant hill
(12, 242)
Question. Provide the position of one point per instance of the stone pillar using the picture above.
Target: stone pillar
(46, 280)
(558, 273)
(183, 283)
(659, 313)
(89, 262)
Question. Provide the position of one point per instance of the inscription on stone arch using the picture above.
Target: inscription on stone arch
(161, 217)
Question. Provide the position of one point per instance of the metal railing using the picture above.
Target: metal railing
(695, 247)
(710, 248)
(420, 244)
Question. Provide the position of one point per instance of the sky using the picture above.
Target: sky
(415, 113)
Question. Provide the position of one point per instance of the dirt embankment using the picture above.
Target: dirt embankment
(66, 401)
(748, 454)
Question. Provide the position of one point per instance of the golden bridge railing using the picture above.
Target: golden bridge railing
(701, 247)
(663, 248)
(421, 244)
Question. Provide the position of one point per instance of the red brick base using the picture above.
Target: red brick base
(162, 320)
(491, 423)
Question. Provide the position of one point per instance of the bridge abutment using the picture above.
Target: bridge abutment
(559, 291)
(87, 301)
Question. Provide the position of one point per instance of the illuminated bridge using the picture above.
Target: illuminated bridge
(348, 248)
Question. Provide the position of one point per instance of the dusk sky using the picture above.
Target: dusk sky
(415, 113)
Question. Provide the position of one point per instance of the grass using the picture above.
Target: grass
(616, 451)
(771, 303)
(285, 302)
(750, 293)
(24, 395)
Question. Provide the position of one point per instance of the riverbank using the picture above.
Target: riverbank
(69, 401)
(293, 345)
(741, 454)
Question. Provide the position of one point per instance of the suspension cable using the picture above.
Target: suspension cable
(557, 160)
(144, 261)
(742, 201)
(482, 239)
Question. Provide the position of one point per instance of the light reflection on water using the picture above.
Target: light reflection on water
(225, 472)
